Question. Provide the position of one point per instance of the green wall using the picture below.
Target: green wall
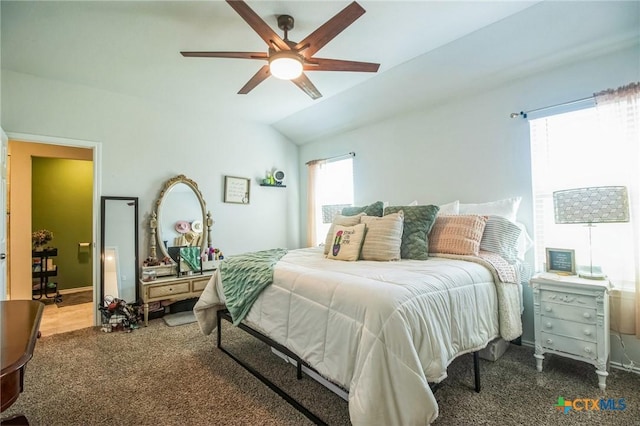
(61, 197)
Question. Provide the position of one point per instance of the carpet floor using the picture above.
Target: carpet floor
(160, 375)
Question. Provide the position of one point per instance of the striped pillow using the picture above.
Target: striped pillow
(501, 237)
(457, 234)
(383, 238)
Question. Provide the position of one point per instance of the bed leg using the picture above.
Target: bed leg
(476, 370)
(219, 323)
(299, 370)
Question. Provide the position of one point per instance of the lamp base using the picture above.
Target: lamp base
(591, 273)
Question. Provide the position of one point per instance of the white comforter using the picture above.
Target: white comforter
(382, 330)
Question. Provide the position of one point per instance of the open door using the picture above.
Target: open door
(3, 215)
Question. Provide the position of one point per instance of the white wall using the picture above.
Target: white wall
(469, 149)
(144, 144)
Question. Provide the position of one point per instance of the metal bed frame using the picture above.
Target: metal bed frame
(224, 314)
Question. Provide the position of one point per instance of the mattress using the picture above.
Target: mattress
(381, 330)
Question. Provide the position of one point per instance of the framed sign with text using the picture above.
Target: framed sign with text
(561, 261)
(236, 190)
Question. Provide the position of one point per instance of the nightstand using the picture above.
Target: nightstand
(571, 319)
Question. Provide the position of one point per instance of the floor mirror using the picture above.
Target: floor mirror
(119, 249)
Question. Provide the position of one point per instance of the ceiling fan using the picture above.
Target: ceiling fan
(287, 59)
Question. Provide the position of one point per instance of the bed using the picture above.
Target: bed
(381, 330)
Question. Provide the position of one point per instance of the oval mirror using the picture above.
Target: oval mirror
(181, 211)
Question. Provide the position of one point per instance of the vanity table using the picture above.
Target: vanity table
(172, 288)
(178, 226)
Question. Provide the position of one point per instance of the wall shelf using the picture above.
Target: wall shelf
(275, 186)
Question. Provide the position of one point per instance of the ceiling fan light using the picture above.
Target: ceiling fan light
(285, 65)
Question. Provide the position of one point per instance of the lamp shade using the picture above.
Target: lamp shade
(285, 65)
(601, 204)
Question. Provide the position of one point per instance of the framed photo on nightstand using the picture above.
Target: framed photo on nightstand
(561, 261)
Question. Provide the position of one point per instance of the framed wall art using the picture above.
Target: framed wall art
(236, 190)
(561, 261)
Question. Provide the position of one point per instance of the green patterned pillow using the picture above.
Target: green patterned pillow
(374, 209)
(418, 221)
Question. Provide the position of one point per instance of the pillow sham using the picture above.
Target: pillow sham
(339, 220)
(457, 234)
(346, 242)
(383, 237)
(418, 221)
(501, 237)
(507, 207)
(374, 209)
(450, 208)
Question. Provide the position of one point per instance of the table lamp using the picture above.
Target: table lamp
(602, 204)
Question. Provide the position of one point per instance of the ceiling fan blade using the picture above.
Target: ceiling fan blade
(239, 55)
(262, 74)
(327, 31)
(259, 26)
(319, 64)
(307, 86)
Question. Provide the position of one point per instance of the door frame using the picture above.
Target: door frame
(97, 191)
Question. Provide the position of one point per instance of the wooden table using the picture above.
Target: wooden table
(19, 324)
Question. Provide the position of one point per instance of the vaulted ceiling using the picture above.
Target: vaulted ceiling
(428, 50)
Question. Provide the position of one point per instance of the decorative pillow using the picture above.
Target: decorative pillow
(383, 238)
(501, 237)
(418, 221)
(374, 209)
(339, 220)
(450, 208)
(507, 207)
(347, 241)
(457, 234)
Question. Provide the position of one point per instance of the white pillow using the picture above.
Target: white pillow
(339, 220)
(346, 242)
(524, 241)
(450, 208)
(507, 207)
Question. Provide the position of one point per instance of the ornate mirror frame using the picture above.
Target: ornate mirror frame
(155, 223)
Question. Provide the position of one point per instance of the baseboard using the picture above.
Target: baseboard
(75, 290)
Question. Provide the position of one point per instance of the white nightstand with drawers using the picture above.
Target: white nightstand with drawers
(571, 319)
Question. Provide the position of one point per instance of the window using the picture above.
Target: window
(582, 149)
(330, 188)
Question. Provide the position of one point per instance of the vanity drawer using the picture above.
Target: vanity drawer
(568, 312)
(569, 328)
(571, 346)
(169, 289)
(200, 284)
(568, 298)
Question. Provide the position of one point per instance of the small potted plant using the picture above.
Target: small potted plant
(40, 238)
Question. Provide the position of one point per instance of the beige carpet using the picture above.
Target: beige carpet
(163, 375)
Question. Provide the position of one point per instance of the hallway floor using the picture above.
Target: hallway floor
(60, 320)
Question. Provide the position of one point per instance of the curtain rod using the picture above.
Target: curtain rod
(523, 114)
(337, 157)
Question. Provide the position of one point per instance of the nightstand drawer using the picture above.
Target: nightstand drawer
(200, 284)
(568, 345)
(568, 312)
(568, 298)
(569, 328)
(169, 289)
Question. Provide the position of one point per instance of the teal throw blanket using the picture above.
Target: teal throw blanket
(244, 276)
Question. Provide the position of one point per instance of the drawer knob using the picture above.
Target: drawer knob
(548, 309)
(587, 332)
(549, 341)
(587, 350)
(587, 315)
(548, 325)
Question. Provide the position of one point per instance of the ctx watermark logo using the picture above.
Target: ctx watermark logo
(588, 404)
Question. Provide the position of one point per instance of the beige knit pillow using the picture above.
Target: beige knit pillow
(340, 220)
(383, 238)
(346, 242)
(458, 234)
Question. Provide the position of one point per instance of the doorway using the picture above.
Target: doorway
(22, 149)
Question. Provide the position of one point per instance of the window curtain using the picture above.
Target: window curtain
(618, 112)
(314, 168)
